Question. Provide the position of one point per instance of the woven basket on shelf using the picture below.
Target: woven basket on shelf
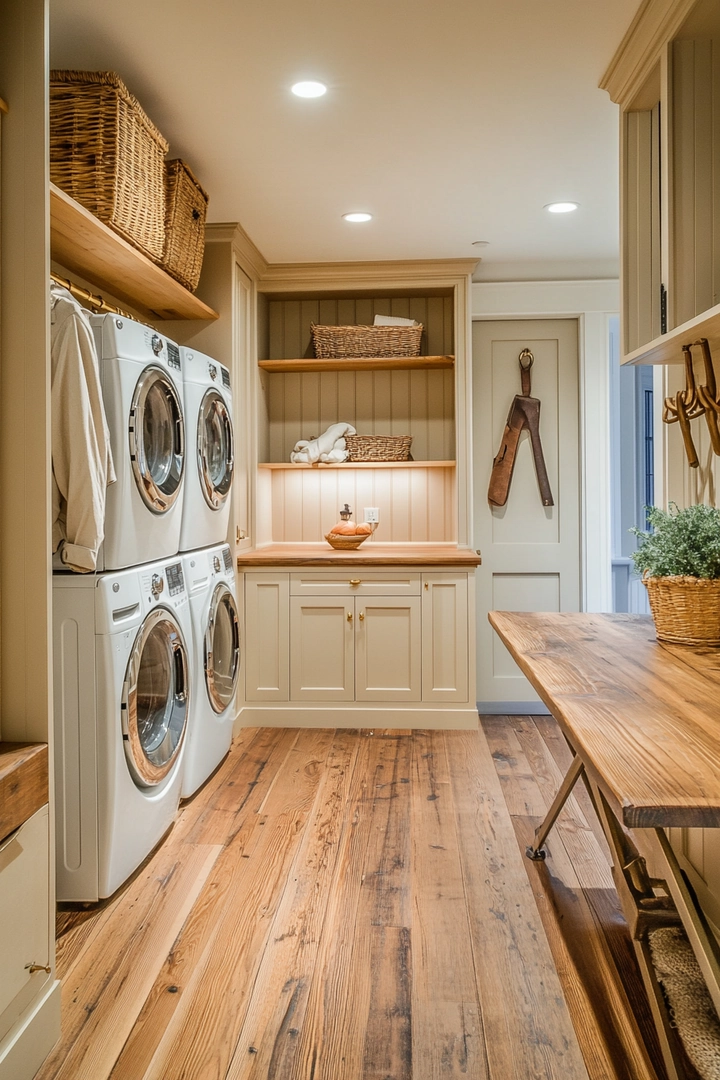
(345, 543)
(185, 212)
(378, 447)
(339, 342)
(107, 155)
(686, 610)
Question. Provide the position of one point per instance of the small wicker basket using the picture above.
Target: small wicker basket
(378, 447)
(185, 213)
(342, 342)
(346, 543)
(686, 610)
(107, 154)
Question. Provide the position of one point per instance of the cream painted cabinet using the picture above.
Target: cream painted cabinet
(24, 926)
(445, 639)
(343, 646)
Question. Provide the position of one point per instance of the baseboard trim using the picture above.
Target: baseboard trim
(512, 708)
(316, 716)
(29, 1043)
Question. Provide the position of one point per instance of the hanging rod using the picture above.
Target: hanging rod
(95, 302)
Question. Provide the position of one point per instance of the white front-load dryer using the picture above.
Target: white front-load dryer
(122, 681)
(210, 579)
(210, 451)
(142, 386)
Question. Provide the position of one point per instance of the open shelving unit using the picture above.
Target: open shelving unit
(667, 348)
(357, 465)
(85, 245)
(358, 363)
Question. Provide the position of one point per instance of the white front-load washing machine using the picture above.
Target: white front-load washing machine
(210, 450)
(210, 579)
(142, 387)
(122, 679)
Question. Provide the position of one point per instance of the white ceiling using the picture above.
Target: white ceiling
(449, 121)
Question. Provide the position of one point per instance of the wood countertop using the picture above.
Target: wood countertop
(643, 716)
(369, 554)
(23, 783)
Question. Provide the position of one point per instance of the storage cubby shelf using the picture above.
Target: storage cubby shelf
(358, 465)
(358, 363)
(667, 349)
(80, 242)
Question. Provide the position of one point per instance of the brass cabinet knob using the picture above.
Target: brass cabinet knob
(32, 968)
(355, 581)
(349, 616)
(362, 616)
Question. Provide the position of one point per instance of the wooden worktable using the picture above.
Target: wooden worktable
(368, 554)
(643, 720)
(645, 717)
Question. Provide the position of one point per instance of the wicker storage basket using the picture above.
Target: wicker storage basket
(106, 154)
(345, 543)
(686, 610)
(185, 212)
(339, 342)
(378, 447)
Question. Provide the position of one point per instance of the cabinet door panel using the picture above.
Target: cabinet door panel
(387, 653)
(445, 637)
(24, 927)
(266, 637)
(321, 649)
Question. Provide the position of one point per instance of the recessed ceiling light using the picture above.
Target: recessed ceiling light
(309, 89)
(561, 207)
(357, 217)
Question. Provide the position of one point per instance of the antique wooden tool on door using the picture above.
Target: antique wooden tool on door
(524, 413)
(695, 401)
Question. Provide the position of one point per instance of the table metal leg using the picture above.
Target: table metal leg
(536, 851)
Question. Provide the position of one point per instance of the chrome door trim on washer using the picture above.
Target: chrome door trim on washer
(221, 694)
(158, 468)
(213, 410)
(152, 748)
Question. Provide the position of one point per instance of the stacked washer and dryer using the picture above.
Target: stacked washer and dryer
(146, 650)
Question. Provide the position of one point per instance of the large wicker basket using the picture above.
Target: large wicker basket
(107, 154)
(378, 447)
(185, 213)
(686, 610)
(340, 342)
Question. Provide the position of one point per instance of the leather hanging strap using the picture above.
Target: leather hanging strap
(524, 413)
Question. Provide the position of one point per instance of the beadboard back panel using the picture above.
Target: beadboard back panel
(417, 403)
(417, 505)
(289, 321)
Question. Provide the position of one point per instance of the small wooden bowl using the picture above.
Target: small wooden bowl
(346, 542)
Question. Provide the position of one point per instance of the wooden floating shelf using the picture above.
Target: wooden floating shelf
(667, 349)
(359, 465)
(359, 363)
(23, 783)
(80, 242)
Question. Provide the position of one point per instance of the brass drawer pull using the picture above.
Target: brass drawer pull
(32, 968)
(355, 581)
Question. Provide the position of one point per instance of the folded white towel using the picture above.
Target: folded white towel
(328, 447)
(393, 320)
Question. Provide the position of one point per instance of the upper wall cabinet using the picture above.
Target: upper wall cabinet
(666, 79)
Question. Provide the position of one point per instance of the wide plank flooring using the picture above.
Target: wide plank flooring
(348, 905)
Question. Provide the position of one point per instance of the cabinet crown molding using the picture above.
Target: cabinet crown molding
(655, 24)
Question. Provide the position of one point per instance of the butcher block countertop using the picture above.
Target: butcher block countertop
(23, 783)
(368, 554)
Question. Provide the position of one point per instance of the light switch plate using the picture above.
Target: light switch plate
(372, 514)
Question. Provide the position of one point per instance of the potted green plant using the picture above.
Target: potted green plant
(680, 565)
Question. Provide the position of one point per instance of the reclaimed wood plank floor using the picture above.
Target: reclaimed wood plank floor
(347, 905)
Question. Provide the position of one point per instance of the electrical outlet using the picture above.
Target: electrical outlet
(371, 515)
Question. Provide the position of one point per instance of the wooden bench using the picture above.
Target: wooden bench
(643, 720)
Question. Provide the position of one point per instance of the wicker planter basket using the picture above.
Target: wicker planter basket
(108, 156)
(185, 213)
(345, 543)
(378, 447)
(686, 610)
(339, 342)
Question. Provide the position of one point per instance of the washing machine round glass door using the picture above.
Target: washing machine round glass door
(215, 449)
(157, 439)
(155, 698)
(222, 648)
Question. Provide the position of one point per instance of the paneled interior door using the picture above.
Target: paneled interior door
(530, 552)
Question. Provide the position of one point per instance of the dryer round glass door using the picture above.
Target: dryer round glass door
(155, 698)
(157, 439)
(222, 649)
(215, 452)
